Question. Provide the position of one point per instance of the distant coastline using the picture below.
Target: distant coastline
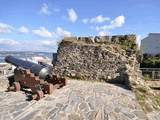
(25, 54)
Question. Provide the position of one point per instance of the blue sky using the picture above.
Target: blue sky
(38, 25)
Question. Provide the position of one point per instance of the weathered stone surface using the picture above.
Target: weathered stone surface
(154, 115)
(3, 83)
(109, 59)
(140, 115)
(72, 102)
(5, 71)
(74, 116)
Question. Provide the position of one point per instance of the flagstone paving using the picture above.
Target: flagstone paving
(79, 100)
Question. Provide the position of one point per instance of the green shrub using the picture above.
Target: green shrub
(140, 96)
(157, 100)
(150, 61)
(147, 77)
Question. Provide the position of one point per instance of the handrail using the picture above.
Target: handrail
(149, 68)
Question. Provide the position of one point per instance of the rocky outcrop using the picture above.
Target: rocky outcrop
(110, 59)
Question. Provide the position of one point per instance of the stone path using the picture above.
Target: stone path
(79, 100)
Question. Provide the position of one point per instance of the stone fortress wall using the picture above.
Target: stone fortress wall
(107, 58)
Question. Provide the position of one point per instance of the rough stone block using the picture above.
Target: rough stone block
(70, 38)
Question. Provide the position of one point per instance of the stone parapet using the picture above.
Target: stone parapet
(126, 40)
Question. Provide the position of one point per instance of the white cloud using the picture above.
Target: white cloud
(45, 45)
(58, 33)
(45, 10)
(42, 45)
(49, 43)
(8, 42)
(39, 45)
(72, 15)
(62, 33)
(23, 29)
(117, 22)
(97, 19)
(48, 40)
(42, 32)
(5, 28)
(102, 33)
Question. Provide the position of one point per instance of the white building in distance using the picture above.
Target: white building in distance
(151, 44)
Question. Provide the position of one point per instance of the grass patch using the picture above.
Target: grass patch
(147, 77)
(142, 89)
(148, 101)
(140, 96)
(157, 100)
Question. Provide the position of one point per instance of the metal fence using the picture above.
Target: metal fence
(153, 73)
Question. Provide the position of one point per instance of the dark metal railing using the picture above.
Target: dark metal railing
(152, 73)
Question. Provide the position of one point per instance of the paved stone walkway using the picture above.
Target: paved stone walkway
(79, 100)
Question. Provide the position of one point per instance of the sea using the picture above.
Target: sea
(25, 55)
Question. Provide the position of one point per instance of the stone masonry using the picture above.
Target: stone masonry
(108, 58)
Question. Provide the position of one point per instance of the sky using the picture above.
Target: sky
(39, 25)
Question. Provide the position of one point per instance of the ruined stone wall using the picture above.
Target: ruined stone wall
(97, 58)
